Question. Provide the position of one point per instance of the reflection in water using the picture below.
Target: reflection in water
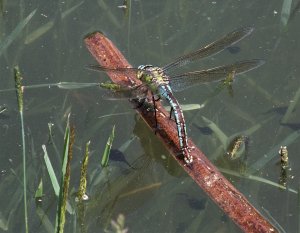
(195, 203)
(119, 156)
(234, 49)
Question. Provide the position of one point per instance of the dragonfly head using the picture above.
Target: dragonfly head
(144, 73)
(151, 75)
(144, 67)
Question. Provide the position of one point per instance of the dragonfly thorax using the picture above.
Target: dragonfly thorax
(152, 76)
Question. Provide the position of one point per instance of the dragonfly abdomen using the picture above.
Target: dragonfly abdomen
(166, 92)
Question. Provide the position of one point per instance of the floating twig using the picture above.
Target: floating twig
(202, 171)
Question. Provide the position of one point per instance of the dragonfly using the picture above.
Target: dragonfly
(162, 83)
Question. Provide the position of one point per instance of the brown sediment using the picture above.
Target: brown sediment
(202, 171)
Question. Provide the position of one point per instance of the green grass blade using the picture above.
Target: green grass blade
(66, 146)
(8, 40)
(39, 191)
(19, 92)
(51, 172)
(65, 180)
(105, 157)
(53, 178)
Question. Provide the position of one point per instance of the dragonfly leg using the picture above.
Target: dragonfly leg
(140, 103)
(171, 111)
(171, 114)
(154, 106)
(157, 98)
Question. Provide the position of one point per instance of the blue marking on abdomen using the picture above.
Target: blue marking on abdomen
(166, 92)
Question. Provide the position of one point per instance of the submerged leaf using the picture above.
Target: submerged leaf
(237, 146)
(119, 225)
(47, 26)
(8, 40)
(105, 157)
(285, 11)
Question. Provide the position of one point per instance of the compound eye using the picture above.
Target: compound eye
(144, 67)
(141, 67)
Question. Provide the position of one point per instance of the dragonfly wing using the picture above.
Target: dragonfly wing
(119, 70)
(186, 80)
(212, 48)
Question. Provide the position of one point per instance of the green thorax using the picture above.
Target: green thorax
(153, 77)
